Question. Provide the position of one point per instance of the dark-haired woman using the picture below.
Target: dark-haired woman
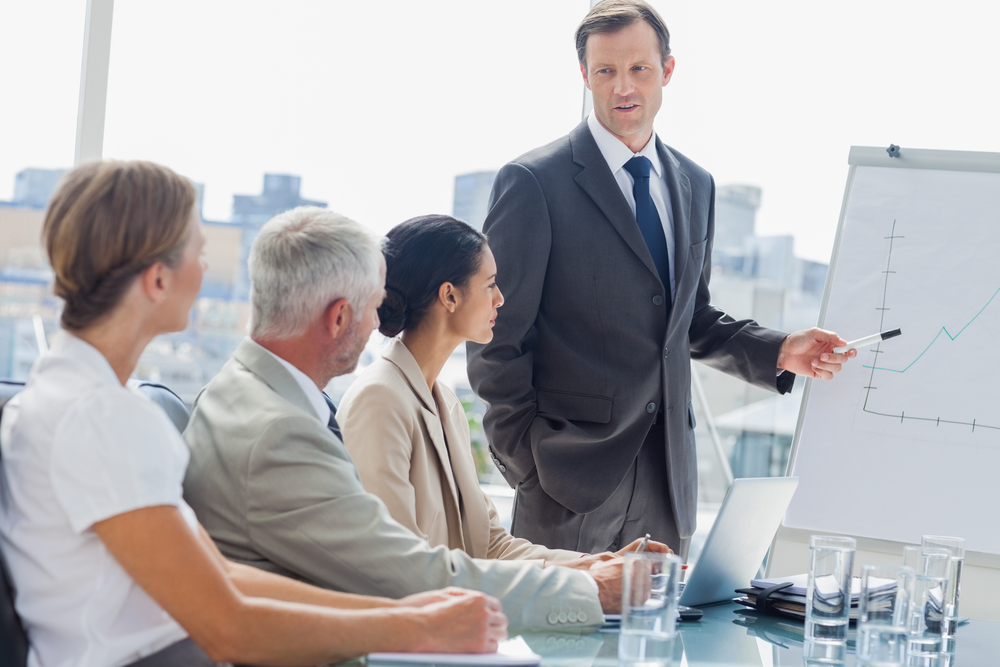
(110, 564)
(406, 431)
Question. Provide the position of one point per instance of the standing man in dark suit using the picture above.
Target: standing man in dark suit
(603, 245)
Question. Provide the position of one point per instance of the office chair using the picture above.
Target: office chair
(13, 639)
(166, 399)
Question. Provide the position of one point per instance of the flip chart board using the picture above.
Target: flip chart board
(905, 441)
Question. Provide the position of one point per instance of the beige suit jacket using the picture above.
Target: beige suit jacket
(277, 490)
(412, 449)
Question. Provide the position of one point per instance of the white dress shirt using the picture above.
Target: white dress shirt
(616, 154)
(78, 448)
(309, 387)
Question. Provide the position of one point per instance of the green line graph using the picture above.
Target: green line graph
(870, 387)
(942, 330)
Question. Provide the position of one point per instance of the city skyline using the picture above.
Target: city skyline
(753, 276)
(772, 94)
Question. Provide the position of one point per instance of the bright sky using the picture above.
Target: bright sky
(378, 105)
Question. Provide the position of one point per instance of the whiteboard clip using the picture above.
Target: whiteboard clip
(892, 150)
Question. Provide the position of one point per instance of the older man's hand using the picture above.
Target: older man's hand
(608, 575)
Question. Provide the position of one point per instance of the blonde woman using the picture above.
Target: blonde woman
(406, 431)
(110, 564)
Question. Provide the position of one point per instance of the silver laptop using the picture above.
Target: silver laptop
(739, 539)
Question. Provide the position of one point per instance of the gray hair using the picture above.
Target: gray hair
(304, 259)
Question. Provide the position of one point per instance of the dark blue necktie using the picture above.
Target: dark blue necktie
(332, 424)
(649, 220)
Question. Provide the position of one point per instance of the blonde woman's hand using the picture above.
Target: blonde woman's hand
(465, 622)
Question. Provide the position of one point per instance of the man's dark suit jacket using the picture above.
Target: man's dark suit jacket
(584, 352)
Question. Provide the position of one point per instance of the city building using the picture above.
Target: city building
(472, 196)
(33, 187)
(756, 277)
(735, 216)
(25, 295)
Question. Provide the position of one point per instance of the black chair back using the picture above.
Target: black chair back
(8, 390)
(166, 399)
(13, 639)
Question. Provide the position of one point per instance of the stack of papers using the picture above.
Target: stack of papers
(510, 653)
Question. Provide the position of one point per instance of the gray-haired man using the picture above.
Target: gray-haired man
(272, 482)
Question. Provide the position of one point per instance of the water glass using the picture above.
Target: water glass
(649, 608)
(824, 654)
(930, 591)
(828, 594)
(956, 546)
(883, 612)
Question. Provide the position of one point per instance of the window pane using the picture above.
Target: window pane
(41, 46)
(371, 113)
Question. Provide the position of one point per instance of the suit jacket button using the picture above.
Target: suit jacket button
(651, 407)
(657, 300)
(553, 618)
(582, 617)
(503, 468)
(562, 617)
(666, 352)
(571, 617)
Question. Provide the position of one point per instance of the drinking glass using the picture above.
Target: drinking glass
(828, 594)
(926, 616)
(955, 546)
(883, 611)
(824, 654)
(649, 608)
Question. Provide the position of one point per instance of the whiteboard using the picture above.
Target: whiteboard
(905, 440)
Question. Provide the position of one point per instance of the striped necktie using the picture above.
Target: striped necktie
(332, 424)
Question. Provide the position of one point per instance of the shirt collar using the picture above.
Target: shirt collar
(309, 387)
(616, 153)
(67, 346)
(399, 355)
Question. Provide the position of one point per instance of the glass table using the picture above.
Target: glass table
(730, 634)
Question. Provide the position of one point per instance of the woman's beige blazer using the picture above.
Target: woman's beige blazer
(412, 449)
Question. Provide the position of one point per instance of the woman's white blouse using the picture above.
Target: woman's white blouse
(78, 448)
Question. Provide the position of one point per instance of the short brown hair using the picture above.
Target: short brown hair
(107, 222)
(614, 15)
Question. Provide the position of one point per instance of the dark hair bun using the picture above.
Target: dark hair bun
(392, 313)
(422, 254)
